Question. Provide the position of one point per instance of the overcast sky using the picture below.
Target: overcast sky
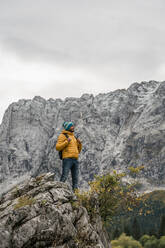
(62, 48)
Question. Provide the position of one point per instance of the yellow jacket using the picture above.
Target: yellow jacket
(70, 149)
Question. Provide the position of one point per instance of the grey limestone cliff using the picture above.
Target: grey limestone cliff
(40, 213)
(118, 129)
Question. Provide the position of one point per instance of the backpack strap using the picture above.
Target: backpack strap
(66, 135)
(60, 152)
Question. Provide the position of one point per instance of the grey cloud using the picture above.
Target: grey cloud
(82, 32)
(30, 50)
(117, 41)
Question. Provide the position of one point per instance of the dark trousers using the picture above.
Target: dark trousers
(67, 165)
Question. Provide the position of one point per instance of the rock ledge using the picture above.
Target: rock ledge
(40, 213)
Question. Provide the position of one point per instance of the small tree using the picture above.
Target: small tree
(107, 195)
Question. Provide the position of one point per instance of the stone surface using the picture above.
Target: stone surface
(118, 129)
(40, 213)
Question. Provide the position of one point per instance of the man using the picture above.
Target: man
(70, 147)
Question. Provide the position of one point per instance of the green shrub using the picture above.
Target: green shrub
(162, 242)
(153, 242)
(125, 241)
(144, 239)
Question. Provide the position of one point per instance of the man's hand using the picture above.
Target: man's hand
(78, 140)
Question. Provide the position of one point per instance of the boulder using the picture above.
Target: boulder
(41, 212)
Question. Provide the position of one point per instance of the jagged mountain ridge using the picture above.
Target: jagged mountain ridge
(118, 129)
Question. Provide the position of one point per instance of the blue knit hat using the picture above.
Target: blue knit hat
(67, 125)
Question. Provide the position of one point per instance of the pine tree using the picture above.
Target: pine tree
(136, 229)
(116, 233)
(127, 230)
(162, 226)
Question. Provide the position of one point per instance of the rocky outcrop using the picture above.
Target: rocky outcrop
(40, 212)
(118, 129)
